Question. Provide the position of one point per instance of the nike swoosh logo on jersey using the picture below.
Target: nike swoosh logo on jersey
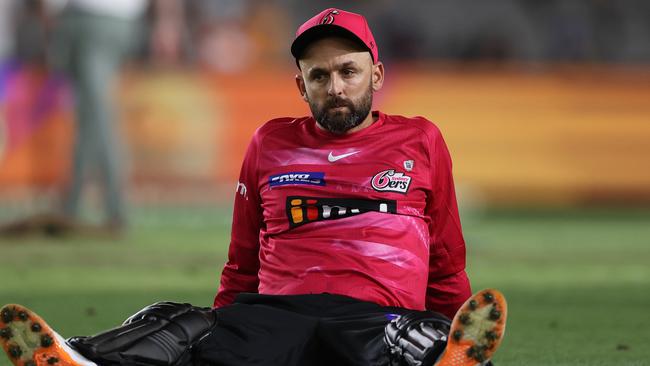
(332, 158)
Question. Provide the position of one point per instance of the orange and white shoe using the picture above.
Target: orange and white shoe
(29, 341)
(476, 331)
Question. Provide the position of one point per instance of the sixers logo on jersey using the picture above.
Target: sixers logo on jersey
(309, 178)
(303, 210)
(390, 181)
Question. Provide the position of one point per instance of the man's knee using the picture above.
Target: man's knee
(160, 334)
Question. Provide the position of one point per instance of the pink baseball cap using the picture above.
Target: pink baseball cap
(334, 22)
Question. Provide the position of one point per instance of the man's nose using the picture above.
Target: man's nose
(335, 85)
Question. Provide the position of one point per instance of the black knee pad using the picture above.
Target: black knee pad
(417, 338)
(160, 334)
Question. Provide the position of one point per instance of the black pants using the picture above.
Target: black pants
(303, 330)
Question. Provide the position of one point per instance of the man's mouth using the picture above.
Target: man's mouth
(338, 108)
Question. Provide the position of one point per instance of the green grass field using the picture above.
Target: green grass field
(578, 282)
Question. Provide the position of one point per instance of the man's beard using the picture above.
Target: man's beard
(340, 122)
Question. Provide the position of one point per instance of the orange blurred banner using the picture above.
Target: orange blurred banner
(564, 135)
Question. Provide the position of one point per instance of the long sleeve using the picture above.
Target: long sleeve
(448, 286)
(240, 273)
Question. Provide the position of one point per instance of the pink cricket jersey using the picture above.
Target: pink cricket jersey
(370, 215)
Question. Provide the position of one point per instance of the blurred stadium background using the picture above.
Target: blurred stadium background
(545, 106)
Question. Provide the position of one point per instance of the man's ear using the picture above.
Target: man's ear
(377, 76)
(300, 83)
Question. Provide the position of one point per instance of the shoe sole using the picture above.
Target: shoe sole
(29, 341)
(477, 330)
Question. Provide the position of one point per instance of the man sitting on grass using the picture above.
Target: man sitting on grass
(346, 244)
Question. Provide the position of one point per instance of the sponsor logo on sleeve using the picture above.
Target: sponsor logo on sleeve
(306, 178)
(303, 210)
(391, 181)
(242, 190)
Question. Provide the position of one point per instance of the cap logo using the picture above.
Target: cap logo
(329, 18)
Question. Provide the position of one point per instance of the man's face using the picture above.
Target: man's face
(338, 79)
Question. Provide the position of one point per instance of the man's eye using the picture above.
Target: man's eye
(348, 72)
